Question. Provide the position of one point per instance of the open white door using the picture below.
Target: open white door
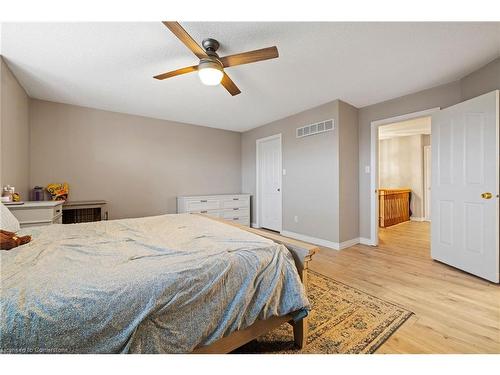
(465, 184)
(269, 182)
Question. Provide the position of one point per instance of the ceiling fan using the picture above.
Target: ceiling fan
(211, 66)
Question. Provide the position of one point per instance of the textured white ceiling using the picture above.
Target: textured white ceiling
(421, 125)
(110, 65)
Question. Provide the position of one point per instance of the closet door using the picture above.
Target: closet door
(269, 182)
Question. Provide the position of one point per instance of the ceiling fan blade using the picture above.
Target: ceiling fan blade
(185, 38)
(230, 85)
(173, 73)
(250, 57)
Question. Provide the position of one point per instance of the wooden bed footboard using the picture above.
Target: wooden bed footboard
(302, 253)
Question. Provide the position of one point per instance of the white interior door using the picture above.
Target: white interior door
(465, 183)
(427, 182)
(269, 181)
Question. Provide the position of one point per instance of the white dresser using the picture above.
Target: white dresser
(30, 214)
(232, 207)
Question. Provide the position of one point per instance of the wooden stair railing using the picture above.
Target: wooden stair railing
(394, 206)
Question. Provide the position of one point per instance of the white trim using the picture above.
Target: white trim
(348, 243)
(366, 241)
(416, 218)
(320, 241)
(408, 116)
(257, 180)
(313, 240)
(374, 164)
(254, 225)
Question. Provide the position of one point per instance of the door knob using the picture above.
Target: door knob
(486, 195)
(279, 189)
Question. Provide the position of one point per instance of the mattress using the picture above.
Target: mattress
(161, 284)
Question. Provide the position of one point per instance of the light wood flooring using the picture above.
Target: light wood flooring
(455, 312)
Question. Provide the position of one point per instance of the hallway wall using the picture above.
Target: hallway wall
(401, 166)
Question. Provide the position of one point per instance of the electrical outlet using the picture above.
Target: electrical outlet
(296, 219)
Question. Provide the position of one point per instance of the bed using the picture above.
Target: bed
(163, 284)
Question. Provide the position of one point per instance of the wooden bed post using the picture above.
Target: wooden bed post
(302, 253)
(301, 327)
(300, 331)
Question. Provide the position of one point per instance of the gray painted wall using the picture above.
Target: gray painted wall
(348, 173)
(14, 130)
(138, 164)
(321, 181)
(310, 189)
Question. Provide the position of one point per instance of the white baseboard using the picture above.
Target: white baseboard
(254, 225)
(366, 241)
(348, 243)
(416, 218)
(313, 240)
(320, 241)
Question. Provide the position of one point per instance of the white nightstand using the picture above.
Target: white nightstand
(31, 214)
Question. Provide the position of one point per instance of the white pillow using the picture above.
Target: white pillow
(7, 220)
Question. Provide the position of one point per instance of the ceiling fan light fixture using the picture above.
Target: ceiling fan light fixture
(211, 67)
(210, 72)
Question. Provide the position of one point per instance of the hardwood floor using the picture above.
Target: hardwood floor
(455, 312)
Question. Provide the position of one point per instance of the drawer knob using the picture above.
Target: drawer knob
(236, 208)
(203, 212)
(236, 199)
(235, 218)
(203, 201)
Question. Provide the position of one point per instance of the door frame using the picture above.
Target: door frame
(257, 178)
(374, 164)
(427, 196)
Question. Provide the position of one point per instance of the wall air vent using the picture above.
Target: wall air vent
(319, 127)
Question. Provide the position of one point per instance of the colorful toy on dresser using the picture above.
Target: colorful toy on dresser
(58, 192)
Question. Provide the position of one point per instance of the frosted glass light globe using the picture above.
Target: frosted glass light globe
(210, 73)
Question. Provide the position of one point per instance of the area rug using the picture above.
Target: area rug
(342, 320)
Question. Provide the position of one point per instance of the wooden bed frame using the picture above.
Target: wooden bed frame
(302, 253)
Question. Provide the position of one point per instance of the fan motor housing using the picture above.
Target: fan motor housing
(210, 45)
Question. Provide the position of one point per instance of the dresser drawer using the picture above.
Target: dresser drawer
(235, 212)
(208, 213)
(202, 205)
(36, 224)
(239, 219)
(37, 214)
(234, 202)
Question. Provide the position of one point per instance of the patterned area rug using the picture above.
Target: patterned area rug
(342, 320)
